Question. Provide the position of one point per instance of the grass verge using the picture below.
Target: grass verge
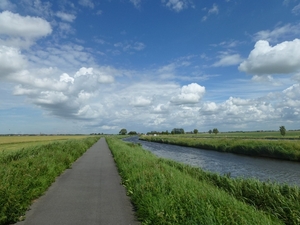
(26, 174)
(278, 149)
(167, 192)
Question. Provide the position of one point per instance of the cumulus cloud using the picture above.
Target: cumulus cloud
(189, 94)
(208, 108)
(11, 61)
(19, 26)
(66, 78)
(160, 109)
(226, 59)
(69, 96)
(21, 32)
(140, 101)
(283, 58)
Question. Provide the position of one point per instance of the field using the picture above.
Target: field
(25, 174)
(167, 192)
(19, 142)
(258, 144)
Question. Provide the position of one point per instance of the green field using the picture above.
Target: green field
(167, 192)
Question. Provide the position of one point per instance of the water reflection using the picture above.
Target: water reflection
(227, 163)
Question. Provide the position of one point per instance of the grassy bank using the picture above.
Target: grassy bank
(278, 149)
(292, 135)
(166, 192)
(27, 173)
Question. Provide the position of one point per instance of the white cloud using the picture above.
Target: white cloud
(66, 16)
(283, 58)
(140, 101)
(37, 7)
(105, 79)
(226, 59)
(160, 109)
(51, 98)
(130, 46)
(278, 33)
(296, 10)
(66, 78)
(86, 3)
(177, 5)
(84, 72)
(189, 94)
(19, 26)
(208, 108)
(11, 61)
(136, 3)
(21, 32)
(68, 56)
(213, 10)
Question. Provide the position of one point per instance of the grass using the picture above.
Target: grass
(10, 143)
(27, 173)
(167, 192)
(278, 149)
(249, 135)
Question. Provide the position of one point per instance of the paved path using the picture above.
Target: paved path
(88, 193)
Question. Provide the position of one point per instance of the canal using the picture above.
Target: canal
(263, 169)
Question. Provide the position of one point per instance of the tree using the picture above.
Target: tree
(132, 133)
(215, 131)
(177, 131)
(195, 131)
(123, 131)
(210, 131)
(282, 130)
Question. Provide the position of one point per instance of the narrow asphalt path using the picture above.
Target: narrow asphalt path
(88, 193)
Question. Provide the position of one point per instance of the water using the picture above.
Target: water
(263, 169)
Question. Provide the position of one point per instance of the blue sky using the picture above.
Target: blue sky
(89, 66)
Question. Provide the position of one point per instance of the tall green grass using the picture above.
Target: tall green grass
(283, 201)
(26, 174)
(166, 192)
(278, 149)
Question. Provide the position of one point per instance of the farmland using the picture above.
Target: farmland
(19, 142)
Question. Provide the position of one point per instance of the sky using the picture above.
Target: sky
(87, 66)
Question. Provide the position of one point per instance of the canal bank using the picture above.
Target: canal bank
(264, 169)
(168, 192)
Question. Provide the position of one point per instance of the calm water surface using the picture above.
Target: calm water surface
(224, 163)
